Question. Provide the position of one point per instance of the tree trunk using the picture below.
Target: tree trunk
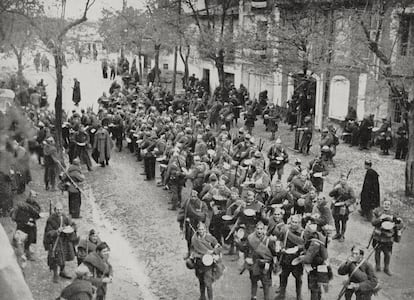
(220, 70)
(409, 164)
(186, 68)
(57, 55)
(20, 68)
(140, 67)
(157, 65)
(175, 70)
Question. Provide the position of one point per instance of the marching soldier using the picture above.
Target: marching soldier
(317, 170)
(260, 258)
(362, 281)
(344, 198)
(305, 142)
(278, 157)
(206, 252)
(388, 229)
(292, 236)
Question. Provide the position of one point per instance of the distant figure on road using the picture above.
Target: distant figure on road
(104, 68)
(113, 73)
(45, 63)
(36, 62)
(76, 96)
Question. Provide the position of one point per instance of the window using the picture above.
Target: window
(397, 114)
(406, 32)
(259, 4)
(165, 66)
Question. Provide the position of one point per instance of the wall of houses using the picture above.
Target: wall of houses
(350, 84)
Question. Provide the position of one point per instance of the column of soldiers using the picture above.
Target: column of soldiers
(232, 204)
(235, 202)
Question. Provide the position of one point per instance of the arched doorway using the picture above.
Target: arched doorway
(339, 97)
(303, 100)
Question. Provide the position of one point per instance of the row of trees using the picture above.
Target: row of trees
(306, 37)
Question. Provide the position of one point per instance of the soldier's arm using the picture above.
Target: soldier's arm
(370, 283)
(311, 252)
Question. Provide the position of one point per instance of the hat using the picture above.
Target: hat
(257, 154)
(307, 119)
(325, 130)
(50, 139)
(76, 161)
(298, 161)
(301, 202)
(247, 136)
(92, 232)
(81, 270)
(241, 130)
(368, 162)
(325, 148)
(278, 141)
(223, 127)
(212, 177)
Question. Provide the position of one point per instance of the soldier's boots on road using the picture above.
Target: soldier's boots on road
(63, 274)
(387, 271)
(336, 236)
(55, 276)
(281, 294)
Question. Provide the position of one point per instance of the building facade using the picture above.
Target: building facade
(336, 59)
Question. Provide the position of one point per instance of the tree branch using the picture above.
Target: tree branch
(68, 27)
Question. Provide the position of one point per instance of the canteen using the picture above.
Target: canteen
(240, 233)
(67, 229)
(227, 217)
(387, 225)
(249, 212)
(292, 250)
(296, 261)
(207, 260)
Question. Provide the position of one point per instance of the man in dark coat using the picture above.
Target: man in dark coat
(76, 96)
(59, 244)
(76, 176)
(370, 194)
(365, 130)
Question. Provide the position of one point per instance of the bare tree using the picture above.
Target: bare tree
(216, 36)
(52, 32)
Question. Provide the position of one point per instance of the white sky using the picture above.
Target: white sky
(74, 8)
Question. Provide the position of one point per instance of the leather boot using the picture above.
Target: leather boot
(55, 276)
(299, 292)
(282, 294)
(63, 273)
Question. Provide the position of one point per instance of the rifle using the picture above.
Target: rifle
(349, 173)
(233, 229)
(284, 247)
(55, 245)
(371, 238)
(345, 287)
(235, 174)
